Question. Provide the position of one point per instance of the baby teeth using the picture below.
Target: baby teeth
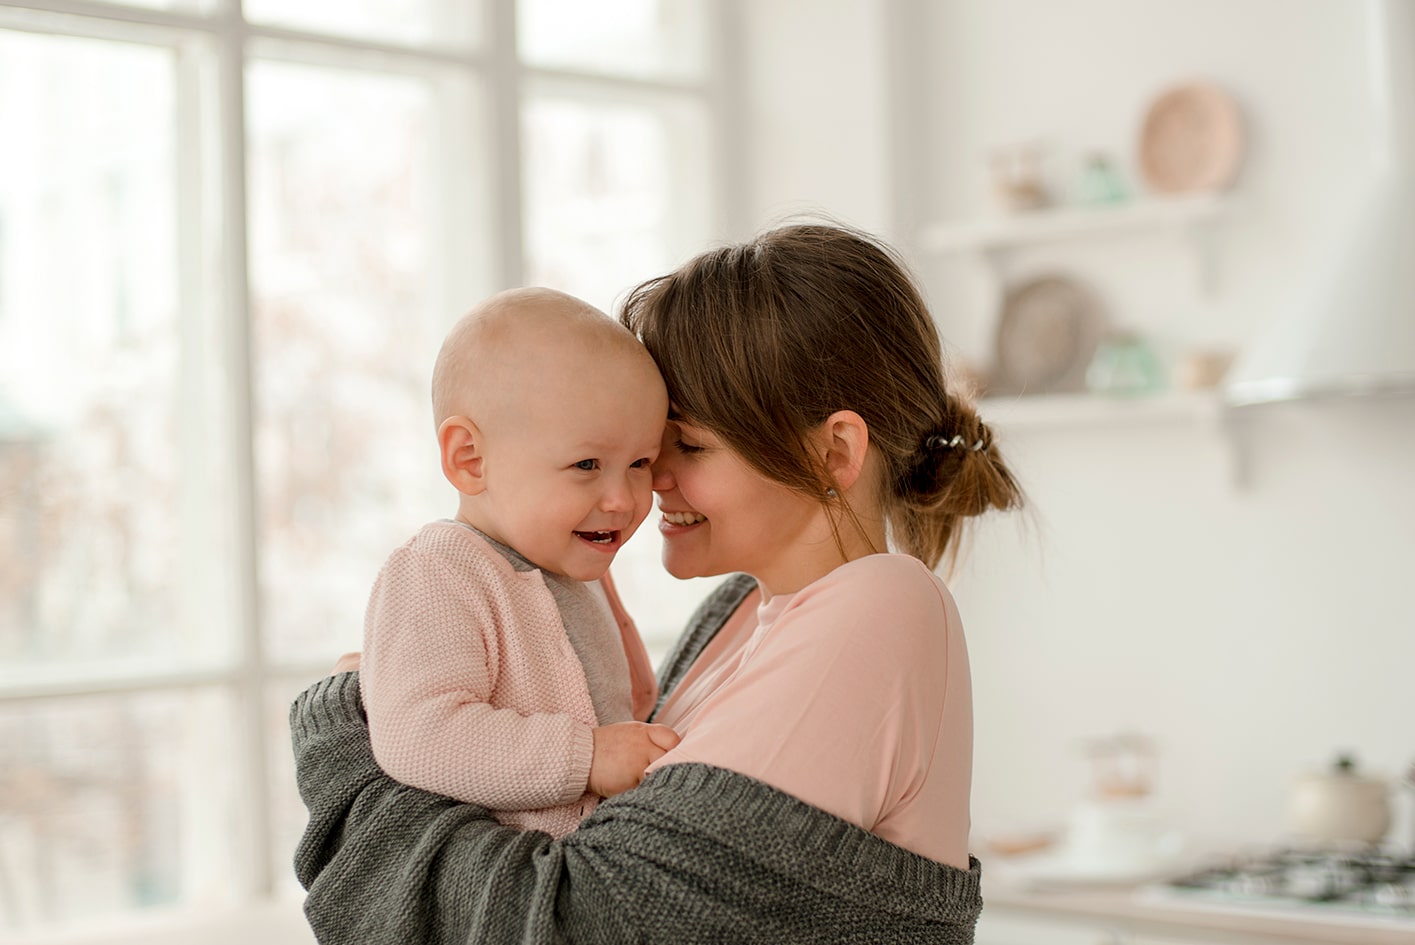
(683, 518)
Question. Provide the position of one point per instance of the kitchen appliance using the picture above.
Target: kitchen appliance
(1116, 834)
(1350, 331)
(1375, 886)
(1340, 807)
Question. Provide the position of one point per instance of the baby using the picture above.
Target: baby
(499, 667)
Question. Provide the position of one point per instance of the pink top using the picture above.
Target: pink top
(853, 694)
(472, 687)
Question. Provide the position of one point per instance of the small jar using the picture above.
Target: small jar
(1124, 365)
(1100, 182)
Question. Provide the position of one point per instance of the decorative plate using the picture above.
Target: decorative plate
(1047, 333)
(1191, 140)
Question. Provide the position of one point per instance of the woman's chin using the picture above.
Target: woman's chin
(681, 571)
(684, 567)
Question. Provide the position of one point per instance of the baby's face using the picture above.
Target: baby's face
(568, 478)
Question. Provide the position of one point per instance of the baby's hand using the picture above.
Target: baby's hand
(622, 751)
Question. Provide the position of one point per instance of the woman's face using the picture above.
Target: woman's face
(719, 515)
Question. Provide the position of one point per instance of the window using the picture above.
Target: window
(231, 238)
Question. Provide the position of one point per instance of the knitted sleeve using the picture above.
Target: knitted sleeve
(429, 670)
(695, 854)
(387, 864)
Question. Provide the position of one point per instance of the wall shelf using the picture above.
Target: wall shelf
(1059, 412)
(990, 239)
(992, 234)
(1205, 412)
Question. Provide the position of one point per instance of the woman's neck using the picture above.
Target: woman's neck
(819, 552)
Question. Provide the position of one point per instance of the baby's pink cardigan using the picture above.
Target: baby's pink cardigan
(472, 688)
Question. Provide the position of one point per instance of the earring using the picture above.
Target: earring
(831, 494)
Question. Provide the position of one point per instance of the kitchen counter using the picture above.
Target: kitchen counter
(1126, 913)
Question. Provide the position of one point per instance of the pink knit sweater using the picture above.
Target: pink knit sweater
(471, 684)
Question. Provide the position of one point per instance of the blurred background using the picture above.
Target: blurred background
(232, 236)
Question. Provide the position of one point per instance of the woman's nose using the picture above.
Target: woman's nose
(662, 475)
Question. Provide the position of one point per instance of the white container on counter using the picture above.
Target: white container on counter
(1340, 806)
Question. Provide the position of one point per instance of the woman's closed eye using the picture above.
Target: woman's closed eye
(685, 447)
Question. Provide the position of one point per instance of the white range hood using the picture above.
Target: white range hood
(1354, 333)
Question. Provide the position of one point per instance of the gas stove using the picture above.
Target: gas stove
(1371, 886)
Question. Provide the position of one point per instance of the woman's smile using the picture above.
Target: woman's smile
(682, 519)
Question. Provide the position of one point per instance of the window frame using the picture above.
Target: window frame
(214, 46)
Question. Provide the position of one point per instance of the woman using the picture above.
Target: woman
(820, 790)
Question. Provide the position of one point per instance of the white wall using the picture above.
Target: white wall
(1252, 630)
(819, 136)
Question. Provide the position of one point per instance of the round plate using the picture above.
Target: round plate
(1191, 140)
(1047, 333)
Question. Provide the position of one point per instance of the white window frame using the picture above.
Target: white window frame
(218, 79)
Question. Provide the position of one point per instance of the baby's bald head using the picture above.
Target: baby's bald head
(521, 342)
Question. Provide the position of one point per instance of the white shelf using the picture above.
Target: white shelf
(1068, 223)
(1204, 412)
(1058, 412)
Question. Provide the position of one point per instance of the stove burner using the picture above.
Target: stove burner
(1375, 881)
(1393, 896)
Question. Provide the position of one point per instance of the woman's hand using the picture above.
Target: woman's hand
(347, 663)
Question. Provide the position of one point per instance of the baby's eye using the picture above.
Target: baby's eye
(588, 465)
(641, 463)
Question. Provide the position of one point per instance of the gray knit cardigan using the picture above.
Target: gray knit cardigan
(694, 854)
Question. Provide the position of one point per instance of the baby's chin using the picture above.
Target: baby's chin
(586, 570)
(586, 575)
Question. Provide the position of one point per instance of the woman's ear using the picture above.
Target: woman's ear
(463, 462)
(843, 440)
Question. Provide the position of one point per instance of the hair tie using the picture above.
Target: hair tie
(940, 442)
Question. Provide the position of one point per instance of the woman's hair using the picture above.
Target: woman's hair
(761, 341)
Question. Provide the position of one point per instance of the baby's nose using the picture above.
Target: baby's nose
(618, 494)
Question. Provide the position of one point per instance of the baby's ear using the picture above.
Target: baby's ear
(461, 443)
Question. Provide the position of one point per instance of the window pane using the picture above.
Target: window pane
(350, 302)
(615, 192)
(114, 804)
(410, 22)
(106, 395)
(642, 38)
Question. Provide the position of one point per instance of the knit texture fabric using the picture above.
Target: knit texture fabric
(695, 854)
(591, 629)
(473, 687)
